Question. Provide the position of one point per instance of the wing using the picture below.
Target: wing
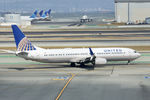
(90, 59)
(79, 60)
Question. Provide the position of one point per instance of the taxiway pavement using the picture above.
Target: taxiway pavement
(27, 80)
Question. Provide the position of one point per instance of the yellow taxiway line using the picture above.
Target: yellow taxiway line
(69, 80)
(58, 79)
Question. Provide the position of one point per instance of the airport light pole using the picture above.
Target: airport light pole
(129, 12)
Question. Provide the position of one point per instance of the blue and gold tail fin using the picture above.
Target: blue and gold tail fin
(34, 15)
(22, 43)
(45, 14)
(41, 13)
(49, 12)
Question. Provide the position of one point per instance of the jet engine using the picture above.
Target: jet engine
(99, 61)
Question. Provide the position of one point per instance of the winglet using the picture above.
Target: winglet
(91, 52)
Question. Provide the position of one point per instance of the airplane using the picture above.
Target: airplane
(49, 12)
(34, 15)
(40, 13)
(82, 56)
(37, 15)
(46, 14)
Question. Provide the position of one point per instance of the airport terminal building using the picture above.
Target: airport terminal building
(132, 11)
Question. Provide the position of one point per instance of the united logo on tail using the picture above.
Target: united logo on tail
(25, 45)
(22, 43)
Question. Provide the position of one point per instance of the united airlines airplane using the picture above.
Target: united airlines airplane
(81, 56)
(34, 15)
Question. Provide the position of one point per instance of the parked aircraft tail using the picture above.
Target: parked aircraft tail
(45, 14)
(22, 43)
(34, 14)
(41, 12)
(49, 12)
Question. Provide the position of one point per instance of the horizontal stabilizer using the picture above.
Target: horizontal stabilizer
(8, 51)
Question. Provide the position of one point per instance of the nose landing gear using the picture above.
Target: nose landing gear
(128, 62)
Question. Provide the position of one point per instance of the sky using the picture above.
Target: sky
(57, 5)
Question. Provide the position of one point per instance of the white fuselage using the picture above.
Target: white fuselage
(72, 55)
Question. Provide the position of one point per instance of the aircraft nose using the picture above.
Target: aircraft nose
(138, 55)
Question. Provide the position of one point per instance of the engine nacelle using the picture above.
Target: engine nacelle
(99, 61)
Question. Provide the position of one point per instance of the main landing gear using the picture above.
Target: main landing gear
(93, 63)
(73, 64)
(81, 64)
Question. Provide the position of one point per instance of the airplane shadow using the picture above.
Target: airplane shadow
(25, 68)
(86, 67)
